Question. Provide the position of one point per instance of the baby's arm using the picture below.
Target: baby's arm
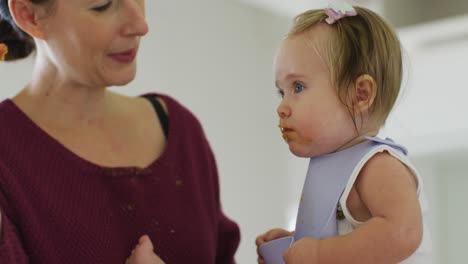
(387, 189)
(143, 253)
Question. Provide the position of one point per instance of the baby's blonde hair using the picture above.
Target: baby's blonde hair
(362, 44)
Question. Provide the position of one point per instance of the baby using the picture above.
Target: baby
(338, 73)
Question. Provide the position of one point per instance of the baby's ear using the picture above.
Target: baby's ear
(363, 93)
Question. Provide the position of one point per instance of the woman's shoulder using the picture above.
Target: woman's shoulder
(9, 114)
(5, 105)
(170, 103)
(180, 116)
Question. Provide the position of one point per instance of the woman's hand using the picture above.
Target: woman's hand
(268, 236)
(143, 253)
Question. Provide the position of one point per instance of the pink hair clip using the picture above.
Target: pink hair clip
(338, 11)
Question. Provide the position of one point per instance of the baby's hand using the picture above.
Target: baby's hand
(268, 236)
(143, 253)
(303, 251)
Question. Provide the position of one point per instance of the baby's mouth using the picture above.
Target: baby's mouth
(284, 131)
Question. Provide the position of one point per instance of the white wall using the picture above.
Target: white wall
(216, 58)
(445, 175)
(433, 106)
(431, 119)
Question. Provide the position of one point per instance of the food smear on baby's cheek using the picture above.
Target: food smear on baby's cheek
(3, 51)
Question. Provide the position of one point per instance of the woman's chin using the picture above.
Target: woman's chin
(121, 80)
(121, 77)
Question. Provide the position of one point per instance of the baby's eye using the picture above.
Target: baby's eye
(280, 93)
(298, 87)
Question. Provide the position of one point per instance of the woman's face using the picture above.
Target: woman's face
(94, 42)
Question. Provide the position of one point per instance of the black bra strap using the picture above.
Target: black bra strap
(161, 114)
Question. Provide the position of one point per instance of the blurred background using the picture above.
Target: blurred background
(216, 58)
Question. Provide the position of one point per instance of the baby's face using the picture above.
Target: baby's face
(313, 119)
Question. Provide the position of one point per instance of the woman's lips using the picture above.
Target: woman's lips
(124, 57)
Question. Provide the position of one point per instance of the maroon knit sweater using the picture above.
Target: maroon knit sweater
(59, 208)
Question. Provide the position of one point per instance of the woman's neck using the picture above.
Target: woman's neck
(50, 95)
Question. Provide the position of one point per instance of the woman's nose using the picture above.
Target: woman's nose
(135, 22)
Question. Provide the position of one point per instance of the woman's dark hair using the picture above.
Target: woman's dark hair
(20, 44)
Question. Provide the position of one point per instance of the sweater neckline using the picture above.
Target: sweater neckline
(91, 167)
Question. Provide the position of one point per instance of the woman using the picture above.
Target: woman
(85, 172)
